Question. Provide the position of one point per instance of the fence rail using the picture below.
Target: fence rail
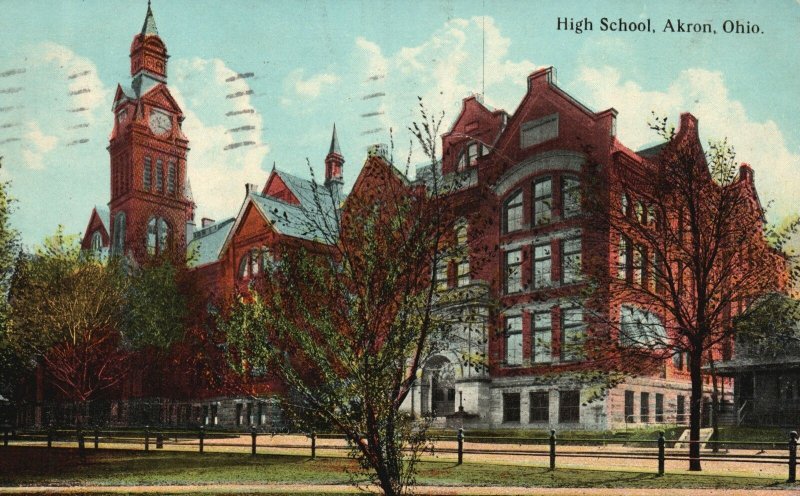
(552, 447)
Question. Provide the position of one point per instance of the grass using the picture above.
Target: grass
(38, 466)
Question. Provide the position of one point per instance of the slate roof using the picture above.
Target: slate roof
(105, 216)
(206, 244)
(651, 150)
(149, 26)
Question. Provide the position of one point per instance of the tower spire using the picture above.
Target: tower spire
(333, 164)
(334, 143)
(149, 26)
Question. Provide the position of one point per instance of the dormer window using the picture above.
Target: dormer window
(469, 155)
(97, 241)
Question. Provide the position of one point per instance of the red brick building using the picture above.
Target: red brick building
(519, 280)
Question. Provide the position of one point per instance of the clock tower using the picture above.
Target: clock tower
(151, 208)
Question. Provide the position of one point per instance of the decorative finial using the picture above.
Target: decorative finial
(334, 143)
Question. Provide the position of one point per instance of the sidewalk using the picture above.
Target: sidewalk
(420, 490)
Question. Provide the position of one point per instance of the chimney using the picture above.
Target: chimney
(250, 188)
(378, 150)
(745, 172)
(207, 222)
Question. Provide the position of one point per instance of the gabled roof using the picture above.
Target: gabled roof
(207, 243)
(302, 222)
(104, 215)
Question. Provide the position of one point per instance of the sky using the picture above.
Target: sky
(314, 62)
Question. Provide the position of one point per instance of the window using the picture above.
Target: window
(640, 212)
(569, 407)
(644, 408)
(472, 153)
(441, 275)
(461, 234)
(654, 271)
(118, 246)
(680, 409)
(158, 236)
(570, 196)
(640, 328)
(629, 417)
(214, 416)
(538, 131)
(97, 241)
(542, 335)
(659, 407)
(677, 360)
(267, 260)
(513, 279)
(463, 272)
(159, 175)
(253, 262)
(514, 340)
(639, 256)
(541, 266)
(623, 204)
(171, 178)
(148, 174)
(623, 258)
(651, 215)
(238, 414)
(542, 201)
(510, 407)
(571, 261)
(539, 407)
(572, 331)
(512, 213)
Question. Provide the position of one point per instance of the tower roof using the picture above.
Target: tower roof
(149, 26)
(334, 143)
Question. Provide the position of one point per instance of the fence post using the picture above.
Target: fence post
(81, 444)
(460, 446)
(792, 456)
(253, 436)
(313, 445)
(5, 436)
(159, 440)
(96, 437)
(50, 436)
(147, 438)
(202, 436)
(552, 449)
(661, 444)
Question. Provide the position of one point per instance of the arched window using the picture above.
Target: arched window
(97, 241)
(158, 236)
(570, 196)
(118, 244)
(512, 213)
(147, 179)
(267, 260)
(171, 178)
(542, 201)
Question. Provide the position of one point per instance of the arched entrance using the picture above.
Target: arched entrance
(439, 387)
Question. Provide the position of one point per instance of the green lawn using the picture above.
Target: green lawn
(39, 466)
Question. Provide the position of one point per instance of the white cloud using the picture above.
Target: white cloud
(314, 85)
(443, 69)
(37, 145)
(213, 121)
(705, 94)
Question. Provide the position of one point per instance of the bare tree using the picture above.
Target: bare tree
(688, 235)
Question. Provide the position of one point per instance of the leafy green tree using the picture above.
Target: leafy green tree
(346, 324)
(12, 366)
(66, 310)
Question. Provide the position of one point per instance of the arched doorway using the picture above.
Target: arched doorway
(439, 387)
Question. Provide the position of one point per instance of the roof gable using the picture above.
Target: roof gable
(98, 221)
(160, 96)
(276, 187)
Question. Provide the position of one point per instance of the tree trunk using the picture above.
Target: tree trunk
(695, 361)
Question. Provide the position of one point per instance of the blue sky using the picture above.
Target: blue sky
(314, 61)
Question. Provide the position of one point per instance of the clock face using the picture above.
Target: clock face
(160, 122)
